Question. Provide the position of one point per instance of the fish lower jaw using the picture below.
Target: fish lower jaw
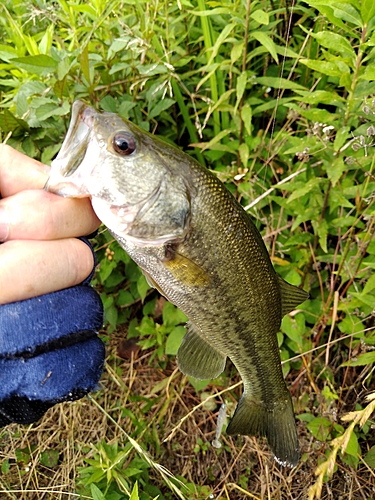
(65, 189)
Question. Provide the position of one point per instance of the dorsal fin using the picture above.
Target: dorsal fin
(291, 296)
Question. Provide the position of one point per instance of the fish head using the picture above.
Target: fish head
(129, 174)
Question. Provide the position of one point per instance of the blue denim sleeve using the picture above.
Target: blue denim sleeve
(49, 351)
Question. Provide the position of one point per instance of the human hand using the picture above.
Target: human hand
(40, 253)
(49, 315)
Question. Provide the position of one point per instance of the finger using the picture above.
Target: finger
(19, 172)
(38, 215)
(32, 268)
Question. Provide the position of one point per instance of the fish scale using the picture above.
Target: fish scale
(200, 249)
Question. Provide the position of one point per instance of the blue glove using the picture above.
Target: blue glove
(49, 351)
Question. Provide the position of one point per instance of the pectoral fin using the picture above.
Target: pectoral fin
(151, 282)
(184, 269)
(197, 358)
(291, 296)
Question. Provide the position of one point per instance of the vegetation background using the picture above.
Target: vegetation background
(278, 98)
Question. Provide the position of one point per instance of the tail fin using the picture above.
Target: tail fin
(277, 424)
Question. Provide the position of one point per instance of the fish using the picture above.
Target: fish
(199, 248)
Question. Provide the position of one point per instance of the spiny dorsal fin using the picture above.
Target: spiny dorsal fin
(197, 358)
(291, 296)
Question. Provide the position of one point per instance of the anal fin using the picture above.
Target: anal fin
(197, 358)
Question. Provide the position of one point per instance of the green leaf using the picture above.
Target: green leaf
(367, 10)
(96, 493)
(266, 41)
(235, 53)
(49, 152)
(152, 69)
(321, 229)
(325, 7)
(198, 385)
(5, 466)
(172, 316)
(108, 103)
(324, 67)
(366, 358)
(370, 285)
(124, 298)
(260, 16)
(211, 12)
(246, 115)
(336, 169)
(22, 104)
(125, 107)
(85, 64)
(7, 53)
(51, 109)
(118, 45)
(366, 299)
(111, 314)
(162, 105)
(315, 114)
(278, 83)
(369, 458)
(352, 446)
(335, 42)
(273, 103)
(348, 13)
(320, 428)
(305, 188)
(38, 65)
(213, 143)
(50, 458)
(174, 340)
(147, 326)
(341, 136)
(369, 73)
(240, 88)
(106, 267)
(142, 286)
(328, 394)
(319, 96)
(46, 42)
(244, 154)
(220, 40)
(294, 328)
(10, 123)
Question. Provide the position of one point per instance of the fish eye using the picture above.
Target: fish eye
(124, 143)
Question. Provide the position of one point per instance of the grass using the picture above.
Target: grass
(278, 100)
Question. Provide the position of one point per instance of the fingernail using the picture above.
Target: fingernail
(4, 223)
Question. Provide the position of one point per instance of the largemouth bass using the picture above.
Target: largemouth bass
(200, 249)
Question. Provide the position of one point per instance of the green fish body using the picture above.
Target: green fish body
(200, 249)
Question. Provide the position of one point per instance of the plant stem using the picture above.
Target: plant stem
(207, 37)
(244, 56)
(185, 113)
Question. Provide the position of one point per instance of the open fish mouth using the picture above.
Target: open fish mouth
(72, 152)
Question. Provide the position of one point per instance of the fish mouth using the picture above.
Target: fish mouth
(72, 152)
